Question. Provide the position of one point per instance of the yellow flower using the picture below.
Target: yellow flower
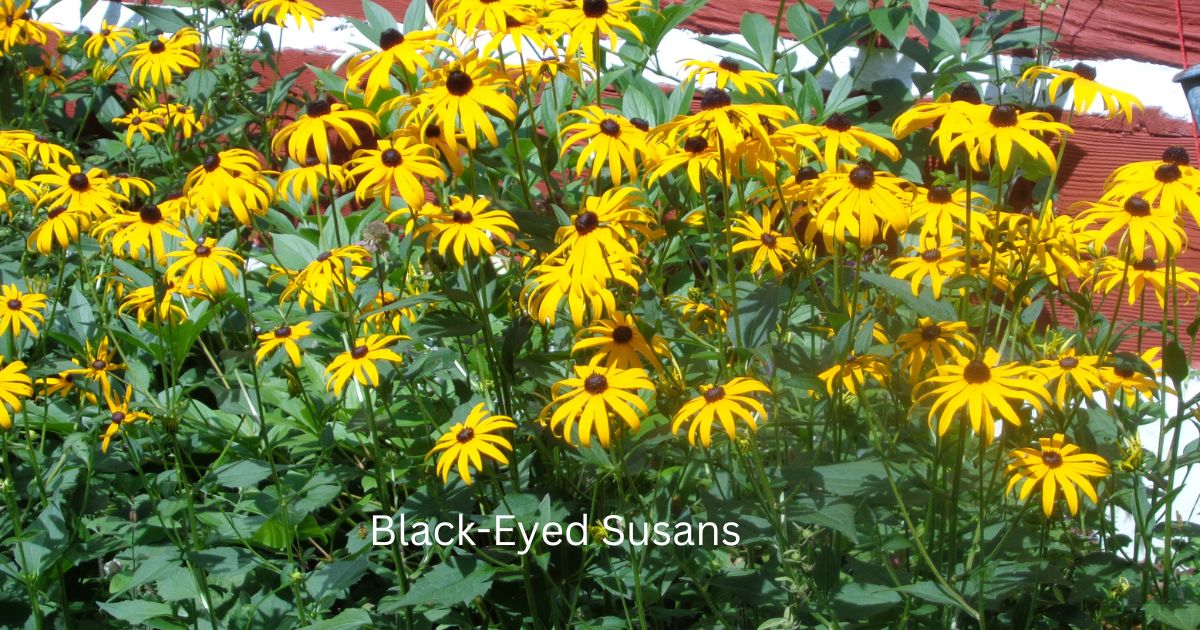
(983, 388)
(283, 337)
(18, 309)
(469, 224)
(943, 215)
(1123, 376)
(139, 232)
(17, 29)
(944, 342)
(158, 61)
(728, 72)
(89, 193)
(119, 415)
(1082, 78)
(769, 246)
(15, 384)
(181, 118)
(585, 288)
(327, 273)
(1068, 370)
(359, 362)
(722, 123)
(840, 137)
(61, 227)
(593, 397)
(1138, 275)
(938, 264)
(64, 385)
(604, 228)
(473, 15)
(1057, 465)
(619, 343)
(203, 265)
(395, 165)
(138, 122)
(726, 403)
(584, 21)
(40, 149)
(950, 111)
(302, 12)
(48, 77)
(858, 203)
(701, 161)
(98, 365)
(467, 443)
(999, 130)
(233, 179)
(1138, 224)
(371, 71)
(1048, 243)
(459, 97)
(295, 183)
(610, 139)
(158, 301)
(851, 374)
(309, 134)
(1171, 183)
(115, 38)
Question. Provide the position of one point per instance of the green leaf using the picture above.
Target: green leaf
(417, 16)
(928, 591)
(751, 324)
(858, 601)
(892, 23)
(924, 305)
(760, 35)
(1175, 363)
(293, 251)
(1182, 615)
(1031, 312)
(838, 517)
(136, 612)
(378, 17)
(456, 581)
(347, 619)
(327, 583)
(241, 474)
(850, 478)
(164, 19)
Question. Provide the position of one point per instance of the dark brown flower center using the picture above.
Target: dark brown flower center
(118, 417)
(150, 214)
(1053, 459)
(1123, 372)
(78, 182)
(610, 127)
(135, 121)
(805, 173)
(729, 65)
(1136, 206)
(931, 332)
(713, 394)
(863, 176)
(1004, 115)
(1085, 71)
(640, 123)
(966, 92)
(48, 71)
(838, 122)
(323, 256)
(390, 158)
(1176, 155)
(466, 435)
(54, 212)
(202, 251)
(586, 222)
(1146, 264)
(99, 364)
(977, 372)
(931, 255)
(622, 334)
(459, 83)
(316, 109)
(595, 384)
(104, 32)
(358, 352)
(156, 46)
(714, 98)
(939, 194)
(212, 162)
(14, 305)
(695, 144)
(1168, 173)
(768, 240)
(463, 217)
(1068, 363)
(433, 131)
(390, 39)
(595, 8)
(283, 332)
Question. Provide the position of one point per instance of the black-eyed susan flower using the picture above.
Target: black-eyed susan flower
(1070, 372)
(1170, 183)
(1137, 222)
(942, 215)
(610, 139)
(606, 227)
(64, 385)
(950, 111)
(119, 415)
(1056, 466)
(359, 362)
(999, 131)
(841, 137)
(983, 389)
(40, 149)
(770, 246)
(203, 264)
(90, 193)
(473, 15)
(179, 118)
(60, 228)
(1050, 243)
(1123, 376)
(588, 402)
(127, 185)
(15, 385)
(18, 28)
(1141, 274)
(584, 22)
(371, 71)
(396, 166)
(726, 403)
(114, 38)
(724, 124)
(469, 442)
(301, 12)
(943, 342)
(1085, 90)
(98, 365)
(229, 179)
(937, 264)
(698, 158)
(523, 31)
(332, 271)
(619, 343)
(858, 204)
(136, 234)
(158, 302)
(728, 72)
(18, 310)
(459, 97)
(851, 374)
(138, 122)
(307, 179)
(284, 337)
(698, 313)
(157, 62)
(308, 135)
(49, 77)
(468, 224)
